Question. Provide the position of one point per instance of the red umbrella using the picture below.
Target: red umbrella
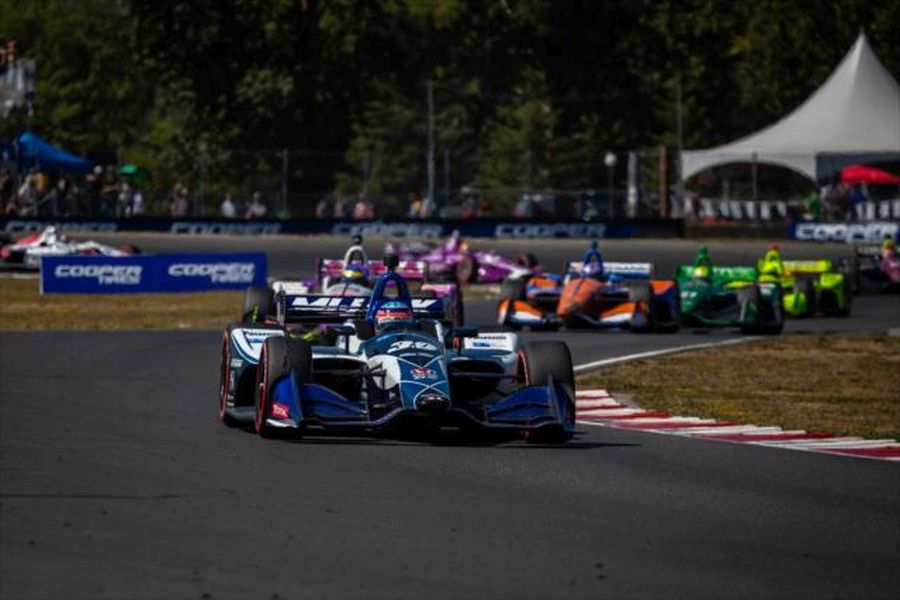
(864, 174)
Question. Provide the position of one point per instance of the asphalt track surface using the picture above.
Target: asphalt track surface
(117, 481)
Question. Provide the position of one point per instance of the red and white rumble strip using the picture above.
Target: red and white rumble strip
(597, 407)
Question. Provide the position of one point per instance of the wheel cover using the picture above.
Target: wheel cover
(224, 375)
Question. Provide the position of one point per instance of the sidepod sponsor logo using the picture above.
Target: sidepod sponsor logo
(230, 272)
(104, 274)
(540, 230)
(849, 233)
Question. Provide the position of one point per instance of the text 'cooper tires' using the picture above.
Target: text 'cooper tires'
(279, 357)
(538, 362)
(258, 304)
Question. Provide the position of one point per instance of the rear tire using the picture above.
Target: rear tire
(258, 304)
(806, 287)
(278, 358)
(751, 295)
(514, 289)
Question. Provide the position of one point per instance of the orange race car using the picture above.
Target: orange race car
(592, 293)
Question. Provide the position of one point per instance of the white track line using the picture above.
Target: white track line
(606, 362)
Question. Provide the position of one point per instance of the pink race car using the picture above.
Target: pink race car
(455, 261)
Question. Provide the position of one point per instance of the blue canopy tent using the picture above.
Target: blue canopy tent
(33, 151)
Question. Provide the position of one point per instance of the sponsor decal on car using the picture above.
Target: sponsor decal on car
(338, 303)
(280, 411)
(104, 274)
(230, 272)
(419, 373)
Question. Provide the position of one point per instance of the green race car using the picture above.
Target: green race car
(728, 296)
(808, 286)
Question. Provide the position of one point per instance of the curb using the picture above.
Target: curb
(597, 407)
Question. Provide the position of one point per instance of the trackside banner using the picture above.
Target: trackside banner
(151, 273)
(846, 233)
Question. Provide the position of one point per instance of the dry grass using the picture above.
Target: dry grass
(23, 308)
(846, 384)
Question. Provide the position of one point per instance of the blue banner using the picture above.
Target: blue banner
(143, 273)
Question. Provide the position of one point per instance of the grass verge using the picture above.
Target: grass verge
(846, 384)
(23, 308)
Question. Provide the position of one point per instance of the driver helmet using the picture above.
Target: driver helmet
(772, 266)
(355, 273)
(700, 272)
(393, 314)
(593, 268)
(888, 246)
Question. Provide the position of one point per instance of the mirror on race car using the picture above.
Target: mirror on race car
(465, 332)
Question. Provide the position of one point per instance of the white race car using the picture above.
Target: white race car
(28, 251)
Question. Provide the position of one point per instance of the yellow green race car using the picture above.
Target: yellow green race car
(808, 286)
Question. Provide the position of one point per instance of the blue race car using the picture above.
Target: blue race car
(387, 364)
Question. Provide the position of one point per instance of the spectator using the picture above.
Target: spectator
(524, 208)
(342, 208)
(415, 206)
(857, 199)
(27, 196)
(364, 209)
(325, 207)
(227, 209)
(126, 200)
(109, 192)
(137, 203)
(468, 208)
(256, 208)
(178, 202)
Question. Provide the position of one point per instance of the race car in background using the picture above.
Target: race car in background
(875, 268)
(729, 296)
(354, 276)
(808, 286)
(592, 293)
(28, 251)
(386, 367)
(455, 261)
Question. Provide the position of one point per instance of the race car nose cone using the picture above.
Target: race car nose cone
(432, 403)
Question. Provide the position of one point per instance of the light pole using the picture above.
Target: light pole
(610, 161)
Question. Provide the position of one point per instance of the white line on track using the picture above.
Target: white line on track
(606, 362)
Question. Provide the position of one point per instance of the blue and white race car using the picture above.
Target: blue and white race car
(388, 365)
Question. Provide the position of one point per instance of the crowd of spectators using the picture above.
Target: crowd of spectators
(100, 193)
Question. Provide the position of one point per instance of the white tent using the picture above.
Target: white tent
(854, 117)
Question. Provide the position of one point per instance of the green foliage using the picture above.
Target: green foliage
(527, 93)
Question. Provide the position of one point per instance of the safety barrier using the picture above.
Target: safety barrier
(496, 228)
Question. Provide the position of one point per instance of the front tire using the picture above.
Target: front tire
(225, 380)
(538, 363)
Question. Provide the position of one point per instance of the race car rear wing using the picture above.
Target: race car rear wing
(630, 270)
(721, 274)
(807, 267)
(329, 269)
(321, 308)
